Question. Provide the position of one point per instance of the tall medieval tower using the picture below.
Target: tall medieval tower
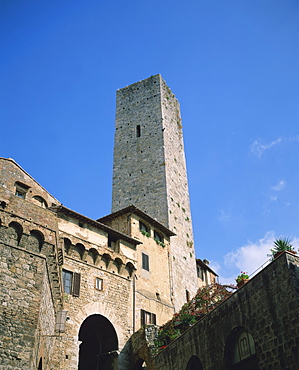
(150, 171)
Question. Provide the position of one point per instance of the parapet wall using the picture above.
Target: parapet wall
(267, 307)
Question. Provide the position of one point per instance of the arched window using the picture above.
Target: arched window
(158, 237)
(35, 241)
(240, 350)
(40, 201)
(15, 232)
(143, 227)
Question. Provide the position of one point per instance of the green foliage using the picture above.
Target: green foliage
(206, 299)
(242, 276)
(145, 233)
(160, 243)
(281, 245)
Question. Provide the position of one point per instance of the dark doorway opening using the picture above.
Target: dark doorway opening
(98, 350)
(40, 364)
(194, 364)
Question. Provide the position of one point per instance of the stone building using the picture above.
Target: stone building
(205, 275)
(149, 171)
(74, 290)
(86, 294)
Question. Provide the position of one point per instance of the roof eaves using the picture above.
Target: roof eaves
(64, 210)
(134, 210)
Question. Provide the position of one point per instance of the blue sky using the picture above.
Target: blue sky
(233, 65)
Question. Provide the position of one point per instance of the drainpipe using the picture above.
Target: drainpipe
(134, 301)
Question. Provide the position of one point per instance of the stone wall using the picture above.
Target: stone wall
(180, 221)
(150, 171)
(112, 302)
(267, 307)
(25, 295)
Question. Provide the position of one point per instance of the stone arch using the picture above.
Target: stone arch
(194, 364)
(67, 245)
(99, 344)
(240, 351)
(130, 268)
(15, 232)
(40, 201)
(35, 241)
(117, 263)
(91, 256)
(78, 251)
(106, 259)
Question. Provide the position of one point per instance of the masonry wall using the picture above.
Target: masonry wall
(25, 294)
(267, 306)
(113, 302)
(178, 203)
(150, 170)
(139, 164)
(30, 287)
(152, 288)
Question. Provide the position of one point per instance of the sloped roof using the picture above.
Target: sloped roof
(66, 211)
(134, 210)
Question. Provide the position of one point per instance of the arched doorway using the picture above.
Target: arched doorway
(98, 350)
(194, 364)
(240, 350)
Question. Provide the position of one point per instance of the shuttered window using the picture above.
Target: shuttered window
(76, 284)
(71, 282)
(67, 278)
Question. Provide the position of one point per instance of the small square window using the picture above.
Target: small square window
(21, 189)
(20, 194)
(99, 284)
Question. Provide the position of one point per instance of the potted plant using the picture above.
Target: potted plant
(281, 245)
(242, 279)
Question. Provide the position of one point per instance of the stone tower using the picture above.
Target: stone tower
(150, 171)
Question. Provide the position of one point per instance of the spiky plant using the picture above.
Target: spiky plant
(281, 245)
